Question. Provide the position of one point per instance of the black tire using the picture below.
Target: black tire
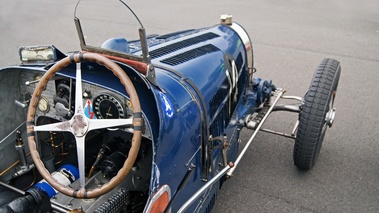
(317, 114)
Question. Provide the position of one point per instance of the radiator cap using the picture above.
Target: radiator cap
(226, 19)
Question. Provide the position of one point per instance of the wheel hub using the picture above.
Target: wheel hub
(330, 117)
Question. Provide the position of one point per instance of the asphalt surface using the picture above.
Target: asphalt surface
(290, 39)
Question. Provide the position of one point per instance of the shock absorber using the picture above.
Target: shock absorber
(21, 151)
(23, 165)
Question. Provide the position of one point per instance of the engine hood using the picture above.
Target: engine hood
(214, 59)
(201, 55)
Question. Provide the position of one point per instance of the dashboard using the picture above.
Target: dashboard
(57, 99)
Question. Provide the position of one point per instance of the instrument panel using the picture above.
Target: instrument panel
(57, 99)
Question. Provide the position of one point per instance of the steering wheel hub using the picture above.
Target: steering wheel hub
(79, 125)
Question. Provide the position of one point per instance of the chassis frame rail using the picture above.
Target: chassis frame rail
(229, 169)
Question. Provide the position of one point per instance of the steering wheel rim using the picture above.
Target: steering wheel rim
(79, 125)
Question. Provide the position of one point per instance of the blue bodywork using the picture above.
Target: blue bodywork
(195, 101)
(203, 91)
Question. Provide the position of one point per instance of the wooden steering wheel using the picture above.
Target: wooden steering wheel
(79, 125)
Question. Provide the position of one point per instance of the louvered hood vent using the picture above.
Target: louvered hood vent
(182, 44)
(191, 54)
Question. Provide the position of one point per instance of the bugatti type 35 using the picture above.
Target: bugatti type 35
(146, 125)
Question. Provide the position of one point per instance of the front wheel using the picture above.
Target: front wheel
(317, 114)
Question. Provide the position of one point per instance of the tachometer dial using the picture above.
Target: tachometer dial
(106, 106)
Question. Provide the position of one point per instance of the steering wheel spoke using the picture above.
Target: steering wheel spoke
(80, 149)
(78, 90)
(54, 127)
(108, 123)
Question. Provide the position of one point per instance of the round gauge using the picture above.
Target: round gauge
(106, 107)
(43, 105)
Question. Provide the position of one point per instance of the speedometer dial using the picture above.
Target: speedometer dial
(106, 106)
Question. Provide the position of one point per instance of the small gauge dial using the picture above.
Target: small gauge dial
(106, 107)
(43, 105)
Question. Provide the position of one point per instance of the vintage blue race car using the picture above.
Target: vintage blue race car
(148, 125)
